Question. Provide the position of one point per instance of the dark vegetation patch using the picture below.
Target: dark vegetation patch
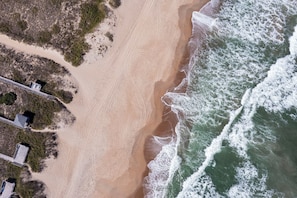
(109, 36)
(115, 3)
(44, 36)
(91, 15)
(22, 24)
(7, 139)
(26, 69)
(77, 50)
(8, 98)
(61, 24)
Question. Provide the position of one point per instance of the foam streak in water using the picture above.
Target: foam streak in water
(210, 151)
(199, 18)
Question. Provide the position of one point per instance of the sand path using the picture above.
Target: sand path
(101, 155)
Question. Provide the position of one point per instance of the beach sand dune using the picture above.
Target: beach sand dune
(118, 103)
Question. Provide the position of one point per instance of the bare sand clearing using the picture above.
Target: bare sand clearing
(118, 103)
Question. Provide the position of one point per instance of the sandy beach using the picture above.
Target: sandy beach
(118, 103)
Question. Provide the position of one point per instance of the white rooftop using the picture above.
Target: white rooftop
(35, 86)
(6, 189)
(20, 155)
(21, 121)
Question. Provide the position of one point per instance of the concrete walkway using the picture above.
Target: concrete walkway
(10, 122)
(7, 158)
(26, 88)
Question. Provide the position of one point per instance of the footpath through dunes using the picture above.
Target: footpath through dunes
(34, 50)
(117, 105)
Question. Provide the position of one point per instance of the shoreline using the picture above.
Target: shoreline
(165, 127)
(182, 58)
(102, 139)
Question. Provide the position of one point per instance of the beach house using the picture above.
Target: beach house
(21, 121)
(35, 86)
(7, 189)
(20, 155)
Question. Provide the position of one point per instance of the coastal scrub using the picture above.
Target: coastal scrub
(60, 24)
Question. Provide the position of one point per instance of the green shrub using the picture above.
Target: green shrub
(52, 88)
(109, 36)
(22, 24)
(17, 76)
(12, 171)
(56, 29)
(5, 28)
(115, 3)
(56, 2)
(77, 51)
(66, 96)
(34, 11)
(8, 98)
(16, 16)
(2, 58)
(91, 15)
(44, 36)
(26, 190)
(98, 1)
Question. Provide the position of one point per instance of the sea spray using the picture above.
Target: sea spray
(239, 111)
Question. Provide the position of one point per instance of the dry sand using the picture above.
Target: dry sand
(118, 102)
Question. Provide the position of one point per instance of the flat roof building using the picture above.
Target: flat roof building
(20, 155)
(21, 121)
(7, 189)
(35, 86)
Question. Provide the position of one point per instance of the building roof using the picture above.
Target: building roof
(20, 155)
(6, 189)
(36, 86)
(21, 120)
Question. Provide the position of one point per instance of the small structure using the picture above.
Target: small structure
(35, 86)
(21, 121)
(7, 189)
(20, 155)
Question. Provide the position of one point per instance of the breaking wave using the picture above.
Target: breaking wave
(239, 110)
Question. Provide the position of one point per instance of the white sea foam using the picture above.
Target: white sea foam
(250, 183)
(165, 163)
(202, 19)
(246, 96)
(278, 91)
(217, 90)
(203, 187)
(293, 43)
(259, 20)
(210, 151)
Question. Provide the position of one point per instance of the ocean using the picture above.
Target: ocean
(236, 134)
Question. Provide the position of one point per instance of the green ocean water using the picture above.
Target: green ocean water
(237, 130)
